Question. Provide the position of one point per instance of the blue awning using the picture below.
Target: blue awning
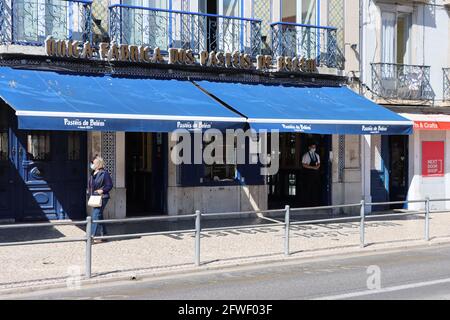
(54, 101)
(318, 110)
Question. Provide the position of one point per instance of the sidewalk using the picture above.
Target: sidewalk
(29, 265)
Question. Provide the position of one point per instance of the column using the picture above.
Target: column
(366, 141)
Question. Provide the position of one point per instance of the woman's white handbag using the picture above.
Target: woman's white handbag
(95, 201)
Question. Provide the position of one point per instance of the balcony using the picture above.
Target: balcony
(307, 41)
(403, 82)
(185, 30)
(29, 22)
(446, 72)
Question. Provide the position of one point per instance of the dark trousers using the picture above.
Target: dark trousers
(99, 229)
(311, 188)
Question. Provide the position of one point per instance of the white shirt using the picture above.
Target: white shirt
(307, 158)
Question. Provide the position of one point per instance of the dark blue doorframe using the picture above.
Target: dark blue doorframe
(390, 183)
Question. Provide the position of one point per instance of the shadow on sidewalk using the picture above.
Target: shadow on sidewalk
(30, 234)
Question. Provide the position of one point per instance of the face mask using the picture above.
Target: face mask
(313, 149)
(92, 166)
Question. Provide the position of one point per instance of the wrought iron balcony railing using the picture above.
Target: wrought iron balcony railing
(446, 72)
(399, 81)
(307, 41)
(29, 22)
(186, 30)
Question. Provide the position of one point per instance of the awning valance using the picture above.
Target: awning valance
(48, 100)
(318, 110)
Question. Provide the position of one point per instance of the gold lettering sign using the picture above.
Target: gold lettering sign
(144, 54)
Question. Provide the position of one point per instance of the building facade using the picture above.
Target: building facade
(44, 172)
(405, 57)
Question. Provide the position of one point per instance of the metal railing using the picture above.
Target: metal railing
(308, 42)
(29, 22)
(401, 81)
(166, 29)
(446, 83)
(197, 217)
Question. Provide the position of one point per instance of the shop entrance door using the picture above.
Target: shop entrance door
(146, 168)
(51, 167)
(390, 183)
(287, 187)
(42, 173)
(398, 169)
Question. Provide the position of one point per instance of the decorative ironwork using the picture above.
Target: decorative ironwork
(262, 9)
(336, 18)
(446, 72)
(100, 20)
(109, 153)
(399, 81)
(179, 29)
(341, 158)
(29, 22)
(305, 41)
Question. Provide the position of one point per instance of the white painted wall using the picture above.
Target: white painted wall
(430, 38)
(433, 187)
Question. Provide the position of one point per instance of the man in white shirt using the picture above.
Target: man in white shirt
(311, 181)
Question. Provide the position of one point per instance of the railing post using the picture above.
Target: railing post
(197, 237)
(427, 219)
(361, 225)
(286, 230)
(88, 247)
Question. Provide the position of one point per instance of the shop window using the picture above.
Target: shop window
(3, 145)
(38, 146)
(222, 171)
(73, 146)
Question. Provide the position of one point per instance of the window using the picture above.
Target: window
(289, 11)
(223, 171)
(395, 37)
(309, 12)
(73, 146)
(231, 8)
(300, 11)
(146, 27)
(38, 146)
(3, 145)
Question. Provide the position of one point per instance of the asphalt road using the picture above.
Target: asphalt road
(420, 273)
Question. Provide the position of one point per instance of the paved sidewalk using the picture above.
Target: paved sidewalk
(28, 265)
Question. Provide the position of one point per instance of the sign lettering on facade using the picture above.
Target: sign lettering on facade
(144, 54)
(433, 158)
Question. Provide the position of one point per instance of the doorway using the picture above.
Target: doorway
(398, 169)
(146, 173)
(390, 181)
(42, 173)
(288, 185)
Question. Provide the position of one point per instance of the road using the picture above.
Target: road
(419, 273)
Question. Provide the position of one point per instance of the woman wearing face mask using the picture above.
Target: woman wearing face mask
(311, 166)
(100, 183)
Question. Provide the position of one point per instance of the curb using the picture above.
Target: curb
(306, 256)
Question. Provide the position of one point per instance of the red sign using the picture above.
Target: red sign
(433, 158)
(431, 125)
